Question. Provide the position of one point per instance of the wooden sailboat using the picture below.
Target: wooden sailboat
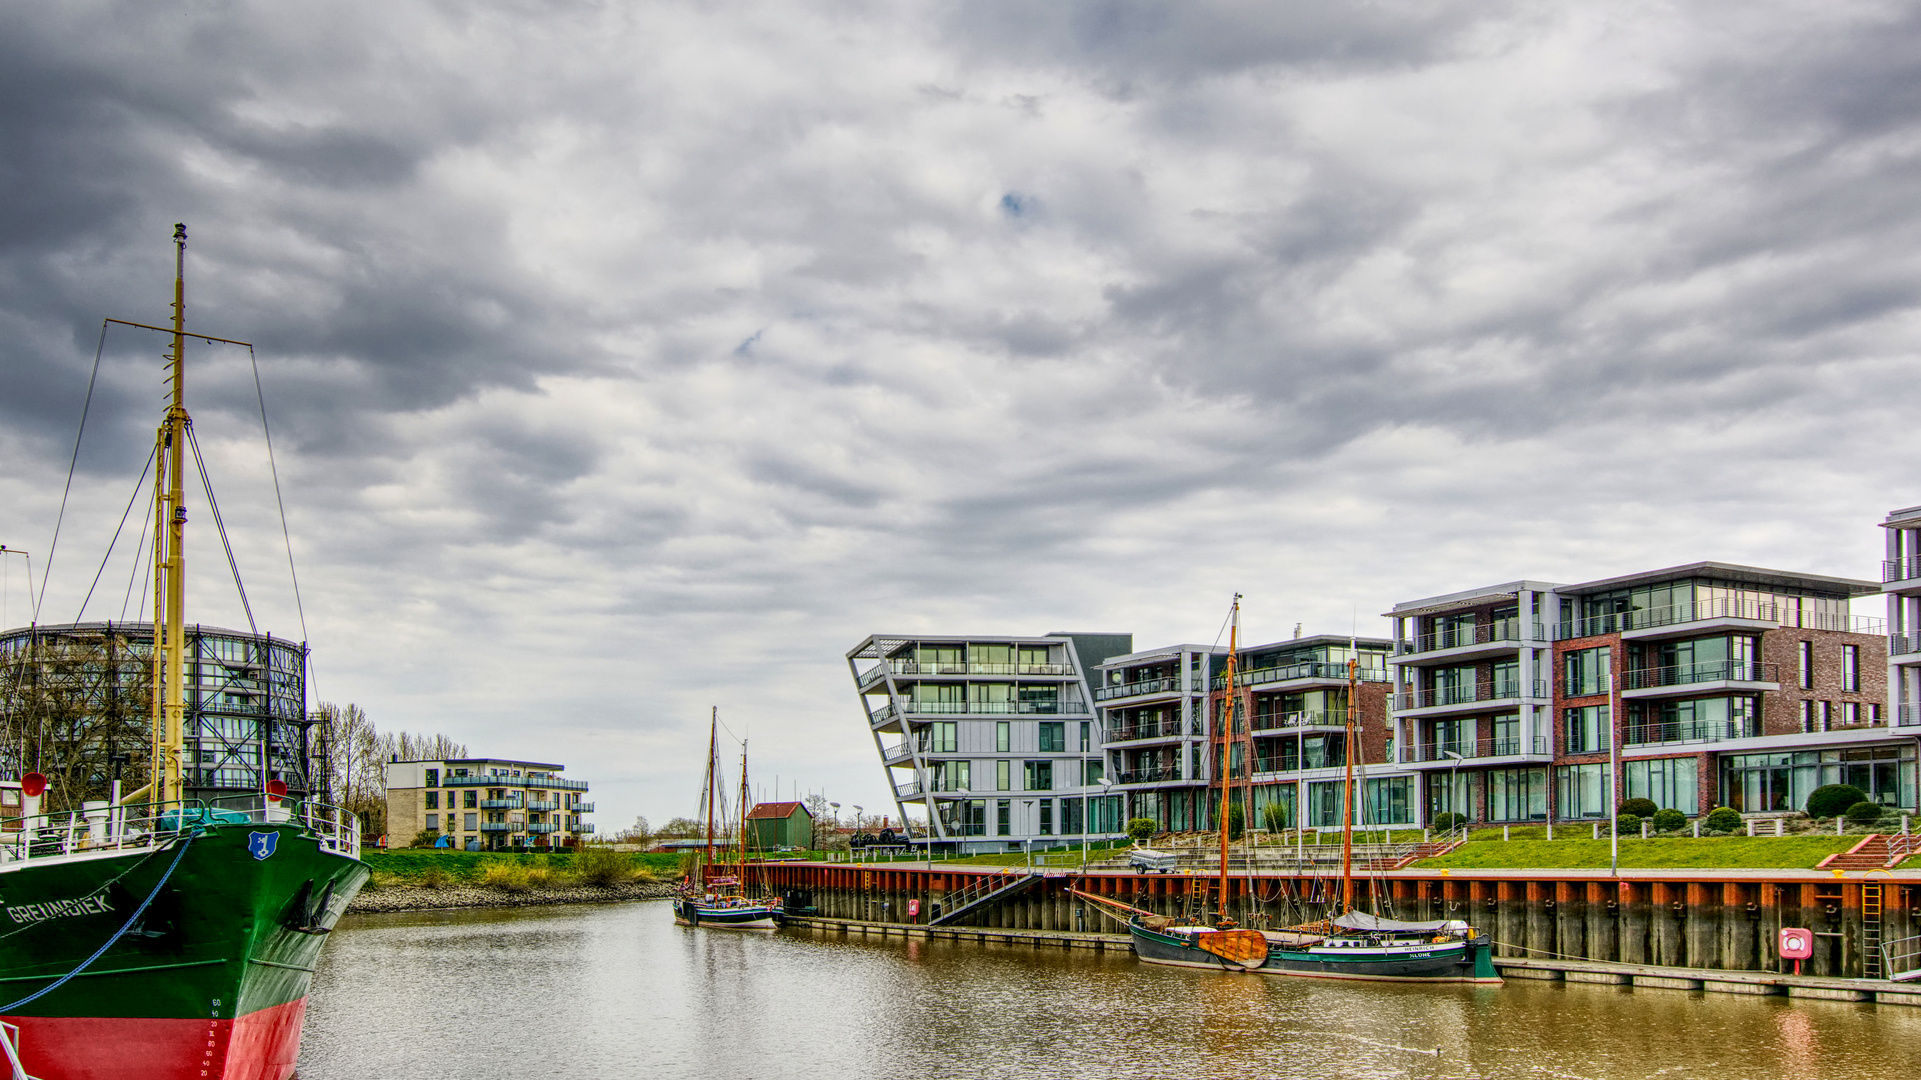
(1351, 945)
(714, 896)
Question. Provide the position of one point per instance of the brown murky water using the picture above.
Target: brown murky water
(619, 991)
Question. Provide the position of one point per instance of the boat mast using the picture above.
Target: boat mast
(740, 852)
(1347, 796)
(170, 555)
(713, 746)
(1227, 742)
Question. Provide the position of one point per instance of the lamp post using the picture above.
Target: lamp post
(1026, 823)
(836, 807)
(1454, 781)
(1107, 786)
(857, 809)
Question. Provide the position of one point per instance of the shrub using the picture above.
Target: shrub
(1725, 819)
(1640, 808)
(1864, 813)
(1275, 816)
(600, 866)
(436, 877)
(1628, 825)
(1669, 820)
(1450, 821)
(1833, 800)
(507, 875)
(425, 838)
(1236, 821)
(1140, 828)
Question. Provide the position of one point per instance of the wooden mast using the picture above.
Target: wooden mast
(1347, 799)
(713, 746)
(1227, 748)
(740, 852)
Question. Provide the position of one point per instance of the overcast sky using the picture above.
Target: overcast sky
(625, 360)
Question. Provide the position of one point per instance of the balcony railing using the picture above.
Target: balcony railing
(500, 826)
(553, 782)
(996, 708)
(500, 804)
(581, 808)
(1312, 669)
(1467, 695)
(1900, 644)
(543, 807)
(1310, 718)
(1692, 731)
(923, 669)
(584, 829)
(1908, 716)
(1470, 749)
(1688, 674)
(1479, 634)
(1901, 569)
(1134, 689)
(911, 787)
(1144, 731)
(1708, 610)
(1149, 776)
(540, 827)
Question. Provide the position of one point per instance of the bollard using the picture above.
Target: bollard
(1644, 829)
(1750, 827)
(1595, 832)
(1550, 830)
(1697, 828)
(1504, 834)
(1839, 821)
(1781, 826)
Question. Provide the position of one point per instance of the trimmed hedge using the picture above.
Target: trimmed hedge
(1833, 800)
(1864, 813)
(1628, 825)
(1670, 820)
(1726, 819)
(1640, 808)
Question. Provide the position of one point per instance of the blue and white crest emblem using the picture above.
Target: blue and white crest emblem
(262, 844)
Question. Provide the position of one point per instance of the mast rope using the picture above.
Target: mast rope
(220, 526)
(46, 573)
(138, 486)
(117, 935)
(274, 468)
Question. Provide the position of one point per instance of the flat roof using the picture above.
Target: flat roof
(1319, 639)
(1487, 594)
(1158, 654)
(1899, 517)
(480, 761)
(1753, 575)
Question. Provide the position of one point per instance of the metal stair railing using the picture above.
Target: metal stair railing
(985, 889)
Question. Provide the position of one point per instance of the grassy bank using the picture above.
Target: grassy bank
(1489, 852)
(510, 871)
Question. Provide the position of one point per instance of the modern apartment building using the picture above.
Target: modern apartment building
(993, 738)
(1716, 684)
(486, 804)
(1901, 582)
(1161, 711)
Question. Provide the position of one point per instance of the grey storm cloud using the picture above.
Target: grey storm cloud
(626, 360)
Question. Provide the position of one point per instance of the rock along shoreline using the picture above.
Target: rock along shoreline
(421, 898)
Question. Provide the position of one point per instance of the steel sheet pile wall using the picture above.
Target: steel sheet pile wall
(1697, 921)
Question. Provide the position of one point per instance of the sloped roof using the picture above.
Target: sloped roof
(776, 810)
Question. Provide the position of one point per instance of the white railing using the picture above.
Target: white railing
(149, 825)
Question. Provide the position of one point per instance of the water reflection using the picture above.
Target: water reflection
(619, 991)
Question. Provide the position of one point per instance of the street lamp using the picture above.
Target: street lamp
(856, 822)
(1107, 788)
(1027, 824)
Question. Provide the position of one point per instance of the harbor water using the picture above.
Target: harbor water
(619, 991)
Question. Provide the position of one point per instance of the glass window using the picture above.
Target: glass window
(1580, 791)
(1003, 736)
(470, 822)
(1040, 776)
(1507, 679)
(1072, 817)
(1586, 728)
(433, 778)
(1003, 817)
(1451, 792)
(1586, 671)
(1091, 772)
(1507, 735)
(1324, 803)
(946, 738)
(1851, 667)
(1517, 794)
(1807, 665)
(1390, 801)
(1086, 740)
(433, 822)
(1047, 817)
(1670, 782)
(1003, 776)
(1053, 737)
(433, 800)
(470, 798)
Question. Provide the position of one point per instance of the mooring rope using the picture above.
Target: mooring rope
(97, 953)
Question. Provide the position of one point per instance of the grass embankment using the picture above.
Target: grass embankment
(513, 872)
(1535, 852)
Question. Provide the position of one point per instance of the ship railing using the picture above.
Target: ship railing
(100, 827)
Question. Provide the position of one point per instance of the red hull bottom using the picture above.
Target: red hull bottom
(261, 1045)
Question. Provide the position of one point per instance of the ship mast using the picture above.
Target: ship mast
(740, 852)
(170, 555)
(1347, 790)
(1227, 745)
(713, 746)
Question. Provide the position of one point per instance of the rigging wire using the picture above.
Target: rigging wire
(73, 463)
(139, 485)
(286, 535)
(220, 526)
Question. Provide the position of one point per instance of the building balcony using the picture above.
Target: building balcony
(1687, 620)
(543, 807)
(584, 829)
(1900, 645)
(1292, 721)
(910, 789)
(1144, 732)
(1144, 687)
(539, 828)
(1314, 670)
(995, 708)
(1699, 678)
(918, 670)
(501, 826)
(1449, 699)
(500, 804)
(551, 782)
(899, 753)
(581, 808)
(1908, 716)
(1905, 569)
(1160, 775)
(1690, 732)
(1478, 751)
(1470, 643)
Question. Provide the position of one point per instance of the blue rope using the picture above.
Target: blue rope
(6, 1010)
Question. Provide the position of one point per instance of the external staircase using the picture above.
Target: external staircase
(984, 890)
(1876, 851)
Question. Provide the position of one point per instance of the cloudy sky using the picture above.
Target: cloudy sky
(625, 360)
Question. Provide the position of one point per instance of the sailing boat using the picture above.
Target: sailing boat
(1352, 945)
(716, 899)
(173, 937)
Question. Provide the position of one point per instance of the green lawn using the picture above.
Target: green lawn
(1761, 852)
(405, 865)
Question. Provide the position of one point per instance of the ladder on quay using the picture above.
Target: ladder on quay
(1871, 930)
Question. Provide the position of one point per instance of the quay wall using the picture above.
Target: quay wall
(1696, 919)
